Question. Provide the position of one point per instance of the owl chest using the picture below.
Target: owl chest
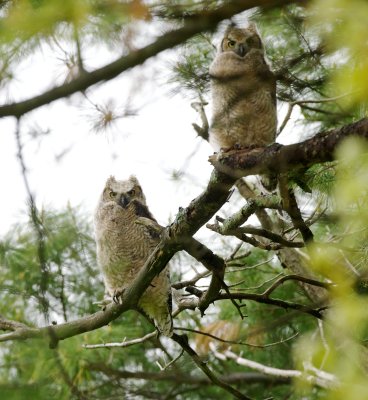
(243, 114)
(233, 105)
(122, 242)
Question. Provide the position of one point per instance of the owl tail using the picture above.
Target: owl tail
(164, 323)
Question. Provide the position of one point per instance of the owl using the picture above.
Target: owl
(243, 92)
(124, 243)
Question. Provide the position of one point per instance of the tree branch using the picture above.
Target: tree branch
(260, 298)
(236, 342)
(124, 343)
(291, 206)
(314, 376)
(240, 232)
(299, 278)
(245, 377)
(183, 342)
(277, 158)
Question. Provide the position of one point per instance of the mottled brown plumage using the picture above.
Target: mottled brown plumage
(125, 241)
(243, 92)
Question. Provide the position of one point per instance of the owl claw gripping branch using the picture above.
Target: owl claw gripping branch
(117, 295)
(123, 245)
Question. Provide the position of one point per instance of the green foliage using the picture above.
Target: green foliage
(340, 350)
(68, 249)
(190, 73)
(342, 24)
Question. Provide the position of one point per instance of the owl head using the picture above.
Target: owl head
(123, 193)
(241, 41)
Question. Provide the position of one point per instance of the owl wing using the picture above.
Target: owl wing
(161, 314)
(153, 229)
(268, 78)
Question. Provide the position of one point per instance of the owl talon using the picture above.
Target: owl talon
(117, 294)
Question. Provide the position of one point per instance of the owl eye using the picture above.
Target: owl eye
(231, 43)
(131, 192)
(112, 194)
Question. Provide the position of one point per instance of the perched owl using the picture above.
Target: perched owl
(243, 92)
(124, 244)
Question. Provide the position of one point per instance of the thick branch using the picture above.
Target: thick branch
(206, 20)
(249, 194)
(249, 209)
(278, 158)
(214, 264)
(291, 206)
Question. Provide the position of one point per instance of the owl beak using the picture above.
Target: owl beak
(242, 50)
(124, 200)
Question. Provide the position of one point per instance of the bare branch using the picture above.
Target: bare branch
(190, 282)
(203, 131)
(249, 209)
(248, 194)
(236, 342)
(173, 361)
(259, 298)
(314, 376)
(299, 278)
(124, 343)
(182, 377)
(226, 229)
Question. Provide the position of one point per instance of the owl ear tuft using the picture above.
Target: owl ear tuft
(231, 26)
(110, 180)
(252, 27)
(134, 179)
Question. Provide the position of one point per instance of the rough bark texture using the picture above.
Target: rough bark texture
(278, 158)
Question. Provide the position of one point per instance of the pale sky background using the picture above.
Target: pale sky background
(151, 145)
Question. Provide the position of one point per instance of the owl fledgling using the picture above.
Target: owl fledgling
(124, 242)
(243, 92)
